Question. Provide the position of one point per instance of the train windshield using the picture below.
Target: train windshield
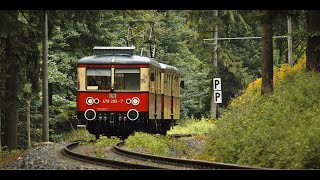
(98, 79)
(127, 79)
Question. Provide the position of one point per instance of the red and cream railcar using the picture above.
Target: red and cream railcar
(119, 93)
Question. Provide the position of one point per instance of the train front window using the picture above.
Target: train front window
(98, 79)
(127, 79)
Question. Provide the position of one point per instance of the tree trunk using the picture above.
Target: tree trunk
(313, 44)
(0, 132)
(12, 85)
(267, 53)
(28, 123)
(45, 104)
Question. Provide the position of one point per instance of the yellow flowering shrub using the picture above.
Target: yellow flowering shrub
(285, 70)
(254, 88)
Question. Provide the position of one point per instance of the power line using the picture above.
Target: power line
(275, 37)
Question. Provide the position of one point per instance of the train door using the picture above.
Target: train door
(152, 92)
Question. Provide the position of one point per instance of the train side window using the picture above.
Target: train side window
(98, 79)
(127, 79)
(177, 85)
(152, 81)
(170, 86)
(158, 83)
(174, 86)
(166, 84)
(152, 76)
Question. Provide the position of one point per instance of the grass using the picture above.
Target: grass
(160, 145)
(193, 126)
(102, 144)
(12, 155)
(76, 135)
(9, 156)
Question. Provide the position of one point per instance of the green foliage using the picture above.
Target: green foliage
(22, 137)
(102, 144)
(160, 145)
(196, 87)
(70, 40)
(278, 131)
(6, 154)
(78, 134)
(62, 117)
(193, 126)
(238, 60)
(152, 144)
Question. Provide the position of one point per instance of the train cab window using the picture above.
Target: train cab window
(127, 79)
(98, 79)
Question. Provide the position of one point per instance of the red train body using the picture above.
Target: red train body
(119, 93)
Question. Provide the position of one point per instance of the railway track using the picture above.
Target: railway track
(174, 163)
(194, 164)
(67, 151)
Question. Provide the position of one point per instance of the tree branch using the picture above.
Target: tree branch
(25, 17)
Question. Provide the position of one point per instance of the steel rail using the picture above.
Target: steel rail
(66, 151)
(197, 164)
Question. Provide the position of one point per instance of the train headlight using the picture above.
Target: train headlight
(133, 114)
(96, 101)
(135, 101)
(89, 101)
(90, 114)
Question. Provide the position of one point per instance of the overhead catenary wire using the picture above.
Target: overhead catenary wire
(212, 39)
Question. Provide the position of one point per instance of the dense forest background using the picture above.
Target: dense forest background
(179, 40)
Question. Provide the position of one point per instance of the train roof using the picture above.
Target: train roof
(169, 68)
(123, 55)
(118, 59)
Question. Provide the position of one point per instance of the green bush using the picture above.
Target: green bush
(147, 142)
(76, 135)
(280, 130)
(193, 126)
(102, 144)
(159, 145)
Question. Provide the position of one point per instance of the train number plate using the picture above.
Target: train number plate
(113, 95)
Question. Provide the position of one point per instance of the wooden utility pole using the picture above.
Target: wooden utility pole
(214, 106)
(45, 104)
(290, 61)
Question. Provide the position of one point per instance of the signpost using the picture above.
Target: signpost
(217, 91)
